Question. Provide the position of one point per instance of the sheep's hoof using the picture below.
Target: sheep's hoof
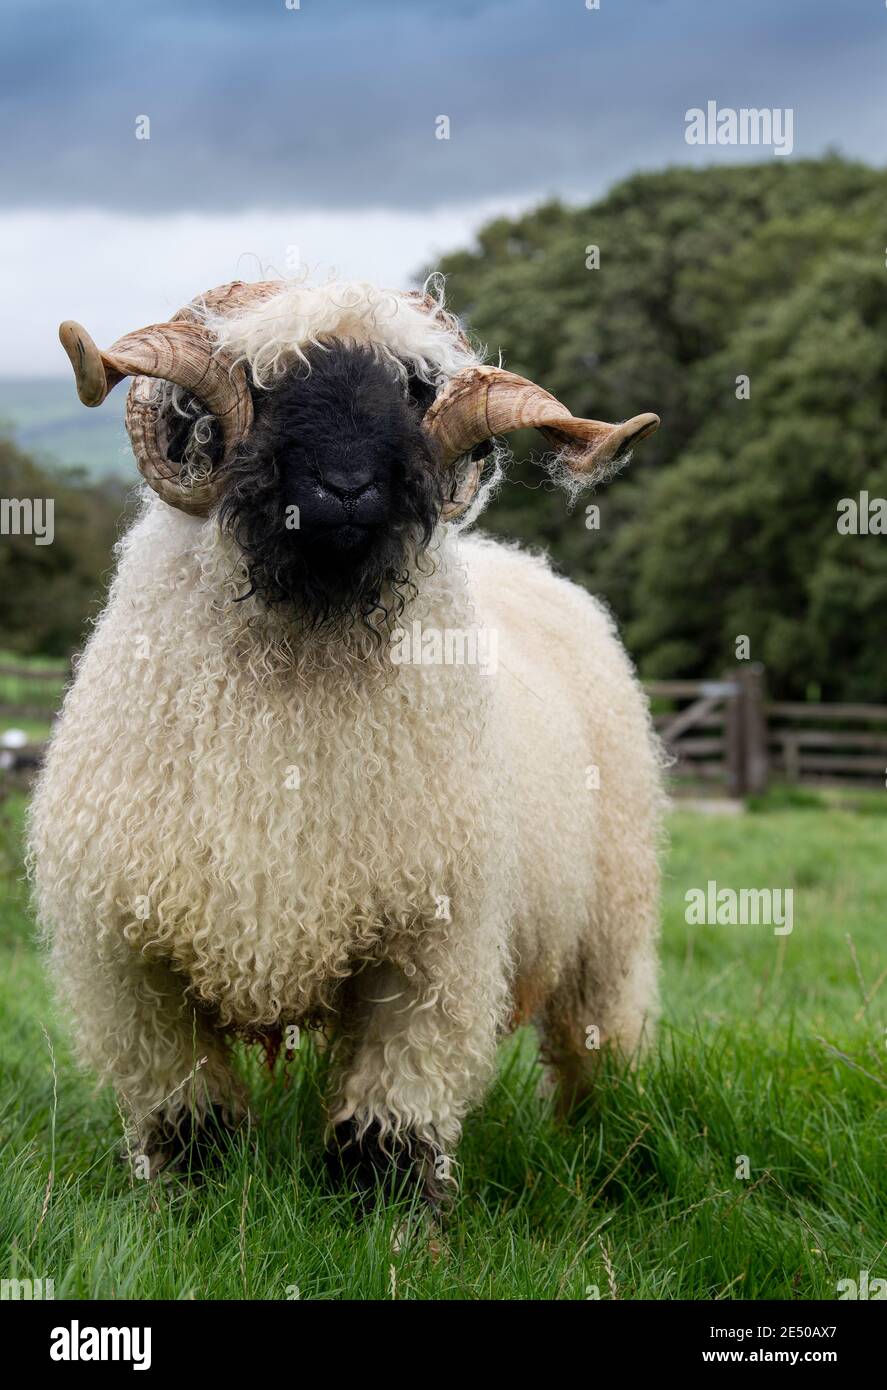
(384, 1165)
(185, 1146)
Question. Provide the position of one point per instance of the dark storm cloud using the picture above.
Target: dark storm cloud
(333, 105)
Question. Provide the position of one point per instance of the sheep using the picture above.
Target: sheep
(254, 818)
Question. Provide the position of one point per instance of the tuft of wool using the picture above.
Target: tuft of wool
(274, 334)
(575, 484)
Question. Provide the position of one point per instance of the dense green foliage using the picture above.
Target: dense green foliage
(725, 523)
(768, 1050)
(49, 592)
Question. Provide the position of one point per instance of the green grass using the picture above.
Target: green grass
(36, 692)
(639, 1198)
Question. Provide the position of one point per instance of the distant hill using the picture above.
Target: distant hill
(45, 418)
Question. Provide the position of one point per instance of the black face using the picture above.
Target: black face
(336, 488)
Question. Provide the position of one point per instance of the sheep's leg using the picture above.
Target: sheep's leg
(418, 1050)
(135, 1027)
(607, 996)
(585, 1017)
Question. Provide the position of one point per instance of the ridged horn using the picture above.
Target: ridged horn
(181, 352)
(232, 298)
(481, 402)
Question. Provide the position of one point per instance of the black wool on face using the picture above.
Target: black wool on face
(336, 489)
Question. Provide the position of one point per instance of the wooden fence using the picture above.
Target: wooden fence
(725, 736)
(850, 751)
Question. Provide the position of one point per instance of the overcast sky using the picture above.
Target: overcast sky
(314, 128)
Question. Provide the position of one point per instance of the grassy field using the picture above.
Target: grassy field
(772, 1047)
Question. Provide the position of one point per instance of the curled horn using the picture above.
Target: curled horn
(481, 402)
(179, 352)
(182, 352)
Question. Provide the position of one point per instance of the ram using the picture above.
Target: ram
(252, 818)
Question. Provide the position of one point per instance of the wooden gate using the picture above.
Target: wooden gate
(716, 731)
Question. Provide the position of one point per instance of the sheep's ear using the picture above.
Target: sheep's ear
(422, 393)
(179, 415)
(482, 450)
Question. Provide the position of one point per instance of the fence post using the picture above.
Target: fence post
(734, 736)
(754, 729)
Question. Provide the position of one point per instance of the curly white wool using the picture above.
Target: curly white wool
(276, 332)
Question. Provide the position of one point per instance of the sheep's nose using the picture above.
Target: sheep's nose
(341, 497)
(352, 492)
(349, 482)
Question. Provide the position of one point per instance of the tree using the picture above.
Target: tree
(725, 523)
(49, 592)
